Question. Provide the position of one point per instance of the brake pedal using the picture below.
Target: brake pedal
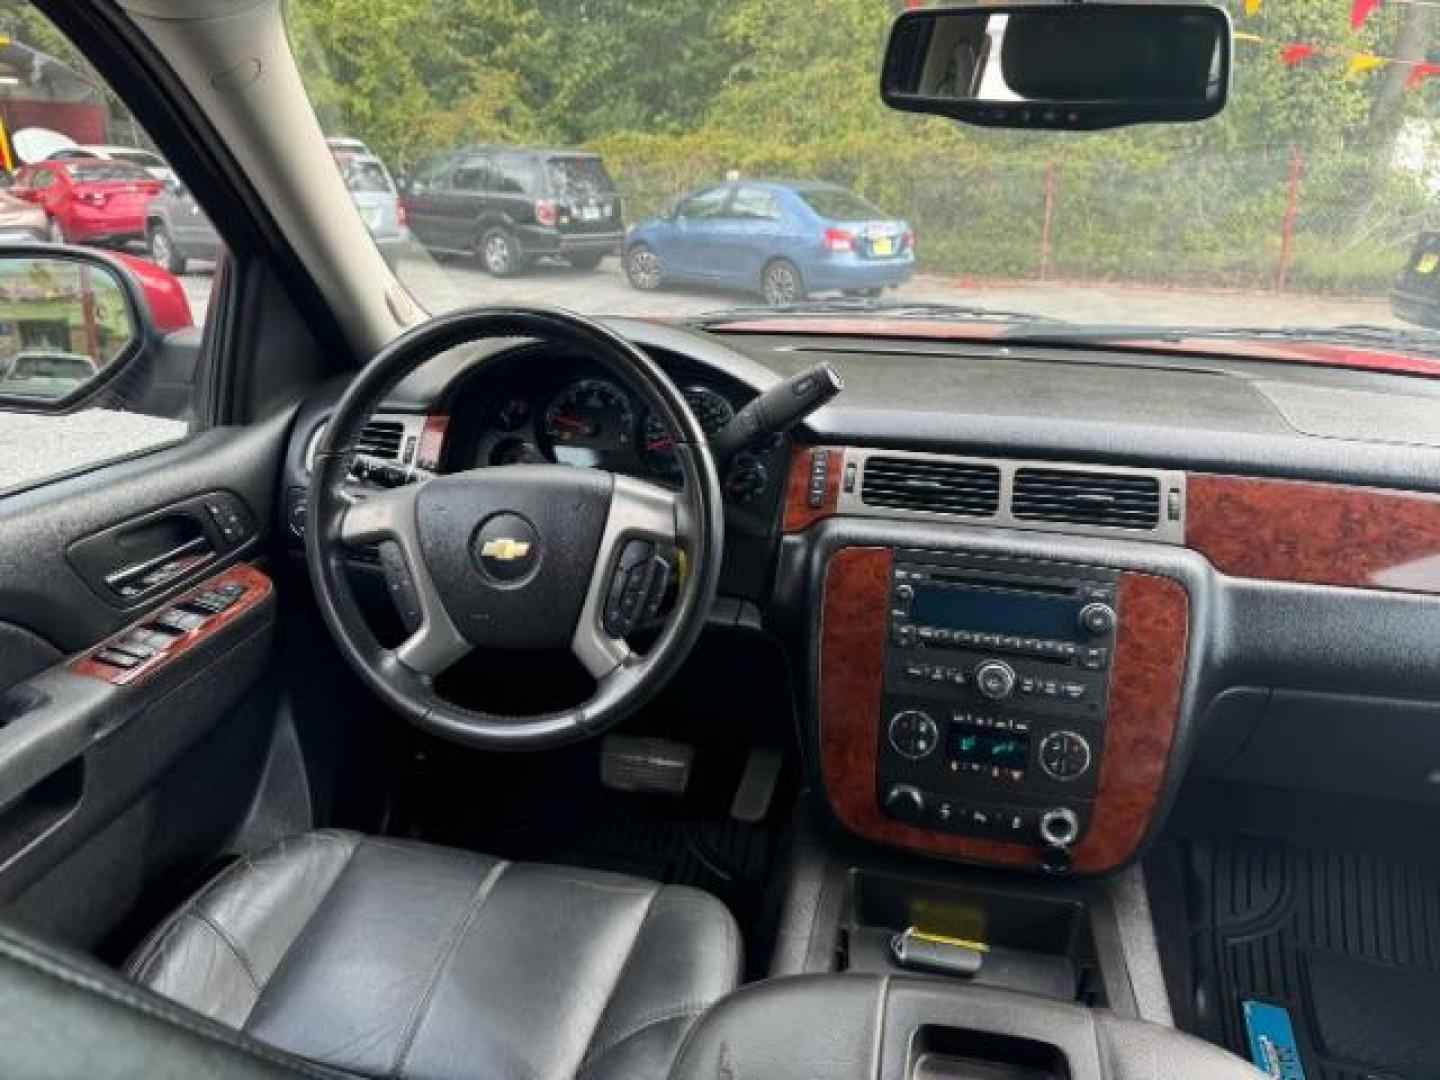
(757, 785)
(657, 766)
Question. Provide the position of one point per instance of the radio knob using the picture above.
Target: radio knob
(1064, 755)
(1059, 827)
(1097, 619)
(913, 734)
(904, 593)
(995, 679)
(904, 802)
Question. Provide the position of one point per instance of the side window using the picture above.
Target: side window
(707, 205)
(472, 175)
(755, 204)
(515, 175)
(432, 175)
(83, 379)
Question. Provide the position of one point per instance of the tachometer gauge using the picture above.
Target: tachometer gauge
(589, 423)
(713, 412)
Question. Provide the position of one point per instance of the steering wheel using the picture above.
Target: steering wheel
(520, 556)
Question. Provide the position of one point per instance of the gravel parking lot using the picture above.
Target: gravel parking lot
(606, 292)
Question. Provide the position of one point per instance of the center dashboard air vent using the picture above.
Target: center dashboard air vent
(931, 486)
(381, 439)
(1112, 500)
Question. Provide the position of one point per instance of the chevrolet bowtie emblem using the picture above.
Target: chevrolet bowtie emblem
(505, 548)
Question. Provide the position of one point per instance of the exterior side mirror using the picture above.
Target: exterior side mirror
(71, 319)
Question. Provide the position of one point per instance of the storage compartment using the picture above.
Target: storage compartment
(1037, 944)
(945, 1053)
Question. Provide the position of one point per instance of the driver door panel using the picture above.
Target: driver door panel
(94, 797)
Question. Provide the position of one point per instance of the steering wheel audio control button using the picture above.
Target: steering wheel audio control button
(630, 587)
(400, 586)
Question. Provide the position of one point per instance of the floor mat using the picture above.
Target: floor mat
(559, 813)
(1347, 941)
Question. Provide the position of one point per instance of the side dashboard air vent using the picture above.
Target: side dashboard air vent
(1113, 500)
(381, 439)
(936, 487)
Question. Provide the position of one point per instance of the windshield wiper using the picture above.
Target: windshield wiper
(1362, 334)
(855, 305)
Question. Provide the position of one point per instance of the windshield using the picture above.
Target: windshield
(93, 171)
(1305, 207)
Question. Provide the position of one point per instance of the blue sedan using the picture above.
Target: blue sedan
(784, 240)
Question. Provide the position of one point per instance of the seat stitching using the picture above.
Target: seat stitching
(687, 1011)
(624, 970)
(232, 944)
(151, 947)
(309, 922)
(416, 1019)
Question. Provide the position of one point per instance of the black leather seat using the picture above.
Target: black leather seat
(398, 959)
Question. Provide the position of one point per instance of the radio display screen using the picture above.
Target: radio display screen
(982, 746)
(995, 611)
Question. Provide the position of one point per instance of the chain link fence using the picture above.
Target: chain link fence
(1280, 220)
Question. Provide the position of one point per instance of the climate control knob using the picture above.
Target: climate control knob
(995, 679)
(913, 734)
(1097, 619)
(1064, 755)
(904, 802)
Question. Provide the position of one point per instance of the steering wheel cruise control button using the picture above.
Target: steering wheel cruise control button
(400, 586)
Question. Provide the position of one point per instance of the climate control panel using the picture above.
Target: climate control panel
(994, 702)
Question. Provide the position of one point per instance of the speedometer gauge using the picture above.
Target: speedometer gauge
(589, 423)
(713, 412)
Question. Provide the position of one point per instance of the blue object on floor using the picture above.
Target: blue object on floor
(1273, 1048)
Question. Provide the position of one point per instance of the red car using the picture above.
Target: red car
(89, 200)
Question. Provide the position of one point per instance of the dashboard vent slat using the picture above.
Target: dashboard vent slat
(381, 439)
(1115, 500)
(937, 487)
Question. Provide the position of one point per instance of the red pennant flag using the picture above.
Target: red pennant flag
(1296, 51)
(1419, 73)
(1360, 10)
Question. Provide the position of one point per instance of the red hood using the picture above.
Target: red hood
(1326, 354)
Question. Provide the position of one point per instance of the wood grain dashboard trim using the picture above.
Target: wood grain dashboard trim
(1318, 533)
(1144, 711)
(799, 514)
(257, 586)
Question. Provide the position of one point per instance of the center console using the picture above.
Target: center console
(996, 687)
(1002, 709)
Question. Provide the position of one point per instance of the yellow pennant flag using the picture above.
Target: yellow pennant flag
(1363, 62)
(1252, 7)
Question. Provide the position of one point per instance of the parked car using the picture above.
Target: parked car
(148, 160)
(782, 239)
(373, 191)
(90, 200)
(343, 144)
(1416, 295)
(164, 295)
(44, 373)
(177, 230)
(508, 206)
(21, 222)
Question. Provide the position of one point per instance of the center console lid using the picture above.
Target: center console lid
(866, 1027)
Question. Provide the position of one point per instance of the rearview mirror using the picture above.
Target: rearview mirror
(1079, 67)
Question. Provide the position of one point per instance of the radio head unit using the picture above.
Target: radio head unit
(996, 680)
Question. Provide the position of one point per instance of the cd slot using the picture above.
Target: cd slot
(1001, 584)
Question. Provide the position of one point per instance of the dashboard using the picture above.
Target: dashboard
(1264, 542)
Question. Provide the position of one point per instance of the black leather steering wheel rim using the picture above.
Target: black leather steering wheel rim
(698, 525)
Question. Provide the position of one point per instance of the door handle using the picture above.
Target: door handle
(159, 568)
